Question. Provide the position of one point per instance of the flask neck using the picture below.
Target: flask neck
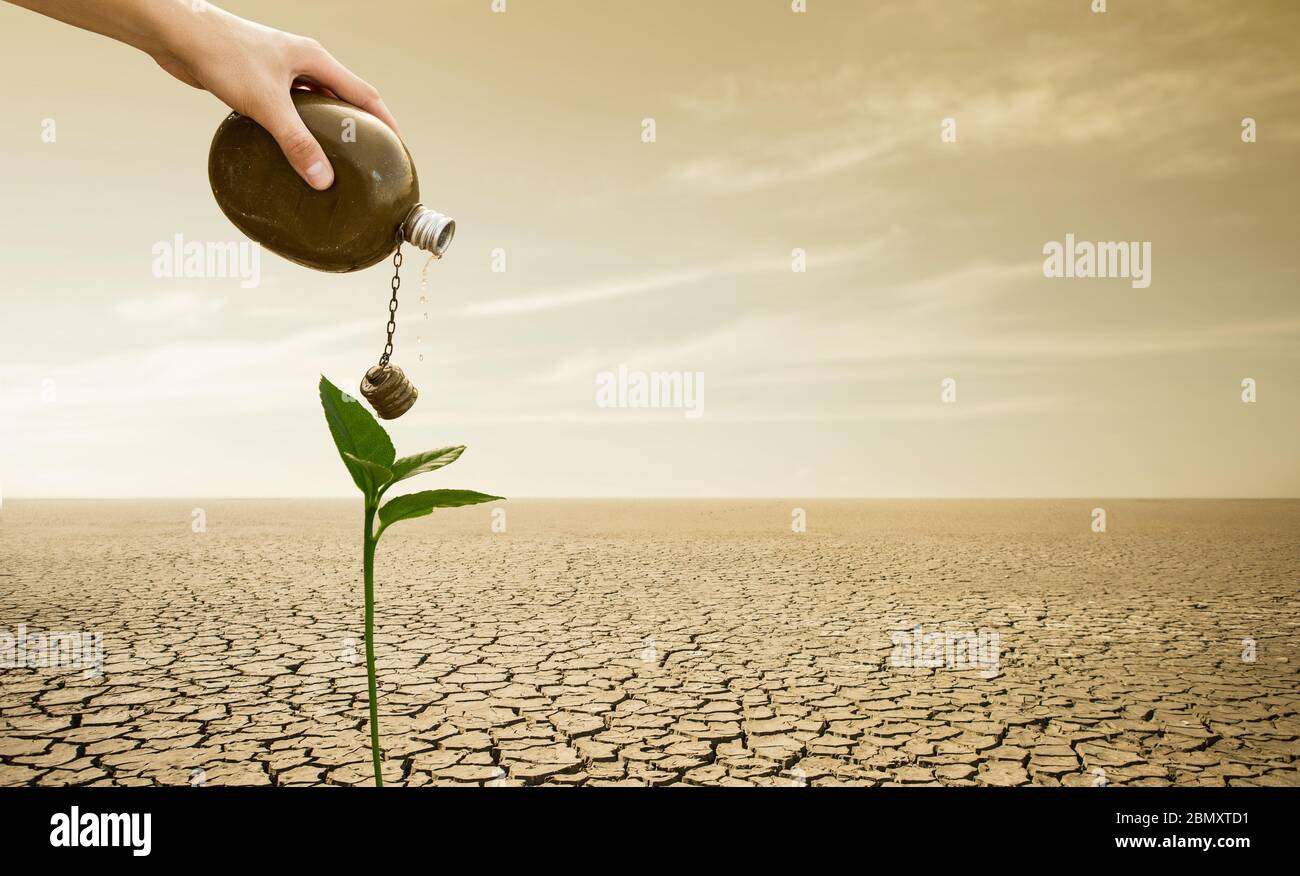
(429, 230)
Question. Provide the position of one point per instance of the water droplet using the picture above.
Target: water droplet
(424, 280)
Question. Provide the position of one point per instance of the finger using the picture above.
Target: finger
(281, 119)
(329, 73)
(306, 83)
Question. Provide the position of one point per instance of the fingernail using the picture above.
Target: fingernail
(319, 175)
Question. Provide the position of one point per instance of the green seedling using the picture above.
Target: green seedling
(368, 453)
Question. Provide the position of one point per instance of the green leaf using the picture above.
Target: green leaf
(420, 504)
(356, 432)
(429, 460)
(380, 477)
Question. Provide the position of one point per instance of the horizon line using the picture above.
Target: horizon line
(713, 498)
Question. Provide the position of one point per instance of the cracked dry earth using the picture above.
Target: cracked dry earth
(657, 643)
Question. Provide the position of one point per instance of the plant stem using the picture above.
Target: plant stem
(369, 567)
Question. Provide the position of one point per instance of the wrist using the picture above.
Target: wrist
(177, 28)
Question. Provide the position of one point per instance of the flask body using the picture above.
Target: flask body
(351, 225)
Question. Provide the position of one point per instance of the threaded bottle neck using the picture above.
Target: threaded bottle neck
(428, 229)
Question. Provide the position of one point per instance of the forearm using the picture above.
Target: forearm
(156, 27)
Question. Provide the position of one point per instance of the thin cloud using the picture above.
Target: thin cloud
(189, 372)
(175, 307)
(627, 287)
(584, 295)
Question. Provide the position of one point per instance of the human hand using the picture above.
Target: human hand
(252, 68)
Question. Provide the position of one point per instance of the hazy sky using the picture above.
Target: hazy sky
(774, 131)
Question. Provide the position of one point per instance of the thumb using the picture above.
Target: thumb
(281, 119)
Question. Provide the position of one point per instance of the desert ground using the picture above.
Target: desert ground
(657, 642)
